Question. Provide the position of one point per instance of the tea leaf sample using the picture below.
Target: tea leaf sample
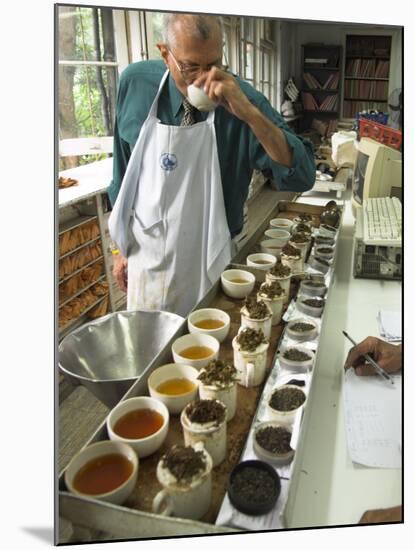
(250, 339)
(205, 410)
(274, 439)
(184, 462)
(219, 374)
(287, 399)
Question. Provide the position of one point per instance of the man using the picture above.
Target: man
(184, 186)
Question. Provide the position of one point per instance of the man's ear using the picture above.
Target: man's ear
(163, 50)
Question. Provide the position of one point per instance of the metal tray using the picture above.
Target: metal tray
(139, 522)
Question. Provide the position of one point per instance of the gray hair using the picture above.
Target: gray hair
(199, 27)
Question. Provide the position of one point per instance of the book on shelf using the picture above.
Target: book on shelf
(351, 108)
(311, 60)
(367, 68)
(330, 103)
(366, 89)
(331, 83)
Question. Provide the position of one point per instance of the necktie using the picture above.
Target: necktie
(189, 114)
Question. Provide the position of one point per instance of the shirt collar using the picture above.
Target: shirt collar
(176, 97)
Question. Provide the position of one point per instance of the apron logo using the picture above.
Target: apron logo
(168, 162)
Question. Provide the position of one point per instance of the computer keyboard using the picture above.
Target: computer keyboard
(382, 221)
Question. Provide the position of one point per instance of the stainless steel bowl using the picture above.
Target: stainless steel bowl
(108, 355)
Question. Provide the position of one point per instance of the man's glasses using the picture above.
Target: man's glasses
(192, 72)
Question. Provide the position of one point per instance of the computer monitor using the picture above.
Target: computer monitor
(377, 172)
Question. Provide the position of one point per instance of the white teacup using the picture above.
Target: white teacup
(262, 263)
(143, 446)
(190, 500)
(265, 324)
(281, 223)
(97, 450)
(281, 236)
(195, 340)
(199, 99)
(237, 283)
(213, 435)
(250, 364)
(175, 403)
(210, 314)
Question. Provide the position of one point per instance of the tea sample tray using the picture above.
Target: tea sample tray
(250, 409)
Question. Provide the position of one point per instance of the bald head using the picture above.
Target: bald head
(197, 27)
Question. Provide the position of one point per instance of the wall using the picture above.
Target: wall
(335, 34)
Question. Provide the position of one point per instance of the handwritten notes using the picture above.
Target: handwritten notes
(373, 420)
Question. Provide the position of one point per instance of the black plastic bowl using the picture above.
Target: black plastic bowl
(261, 487)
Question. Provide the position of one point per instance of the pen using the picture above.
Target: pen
(370, 360)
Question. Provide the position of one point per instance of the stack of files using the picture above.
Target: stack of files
(390, 325)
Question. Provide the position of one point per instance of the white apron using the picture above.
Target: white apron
(169, 218)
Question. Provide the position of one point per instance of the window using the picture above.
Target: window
(153, 22)
(247, 51)
(87, 76)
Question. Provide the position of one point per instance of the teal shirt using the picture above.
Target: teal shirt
(239, 151)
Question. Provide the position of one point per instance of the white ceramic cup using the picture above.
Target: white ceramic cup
(190, 500)
(324, 255)
(285, 418)
(275, 304)
(174, 403)
(250, 364)
(253, 259)
(281, 236)
(307, 288)
(292, 364)
(227, 395)
(96, 450)
(144, 446)
(295, 264)
(303, 247)
(212, 435)
(199, 99)
(310, 310)
(264, 454)
(301, 336)
(195, 339)
(281, 223)
(284, 283)
(235, 289)
(271, 246)
(210, 313)
(265, 324)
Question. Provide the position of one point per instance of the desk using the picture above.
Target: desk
(327, 488)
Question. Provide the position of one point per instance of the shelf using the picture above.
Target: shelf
(87, 243)
(365, 99)
(320, 90)
(80, 269)
(387, 57)
(71, 224)
(101, 278)
(321, 68)
(77, 319)
(364, 78)
(319, 112)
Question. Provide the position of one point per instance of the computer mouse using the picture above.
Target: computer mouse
(199, 99)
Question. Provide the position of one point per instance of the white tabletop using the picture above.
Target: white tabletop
(330, 489)
(93, 178)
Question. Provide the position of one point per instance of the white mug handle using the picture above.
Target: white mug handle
(249, 374)
(198, 446)
(159, 499)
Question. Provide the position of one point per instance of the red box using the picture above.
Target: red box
(379, 132)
